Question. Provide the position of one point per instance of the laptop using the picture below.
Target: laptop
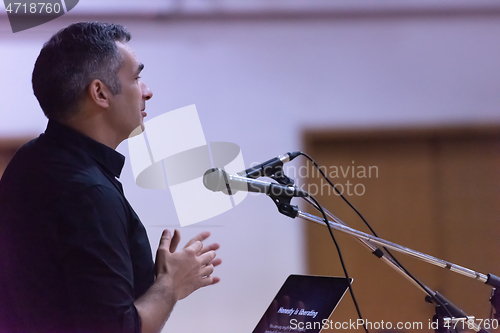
(303, 304)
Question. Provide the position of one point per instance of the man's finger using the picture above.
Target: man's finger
(216, 262)
(207, 270)
(211, 247)
(208, 281)
(195, 247)
(166, 238)
(163, 250)
(175, 241)
(200, 237)
(207, 258)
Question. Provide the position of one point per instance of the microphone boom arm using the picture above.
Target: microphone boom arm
(370, 240)
(399, 248)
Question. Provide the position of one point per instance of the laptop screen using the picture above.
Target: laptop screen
(303, 303)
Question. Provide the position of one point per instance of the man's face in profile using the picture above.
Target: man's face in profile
(129, 105)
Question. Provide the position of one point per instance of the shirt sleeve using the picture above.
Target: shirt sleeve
(98, 277)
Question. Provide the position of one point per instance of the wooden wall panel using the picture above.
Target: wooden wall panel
(431, 184)
(469, 195)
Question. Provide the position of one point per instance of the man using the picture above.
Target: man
(74, 256)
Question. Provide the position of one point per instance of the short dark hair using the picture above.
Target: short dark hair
(71, 60)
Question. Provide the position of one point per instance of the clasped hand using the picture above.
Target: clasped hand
(187, 270)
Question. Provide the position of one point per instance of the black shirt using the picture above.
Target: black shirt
(73, 254)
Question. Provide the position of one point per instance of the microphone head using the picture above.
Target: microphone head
(214, 180)
(218, 180)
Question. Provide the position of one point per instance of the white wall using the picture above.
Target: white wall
(258, 82)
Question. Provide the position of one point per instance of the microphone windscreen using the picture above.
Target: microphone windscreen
(213, 179)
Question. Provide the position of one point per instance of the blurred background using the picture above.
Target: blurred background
(409, 87)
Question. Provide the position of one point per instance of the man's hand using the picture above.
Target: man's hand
(178, 274)
(189, 269)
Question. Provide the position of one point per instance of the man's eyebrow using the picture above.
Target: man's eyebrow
(140, 68)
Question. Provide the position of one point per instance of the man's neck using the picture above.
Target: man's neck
(95, 129)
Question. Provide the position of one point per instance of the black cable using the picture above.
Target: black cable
(341, 260)
(435, 299)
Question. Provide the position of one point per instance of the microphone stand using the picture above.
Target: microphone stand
(443, 306)
(495, 303)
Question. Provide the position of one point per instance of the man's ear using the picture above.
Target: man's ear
(99, 93)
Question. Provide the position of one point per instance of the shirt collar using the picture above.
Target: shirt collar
(107, 157)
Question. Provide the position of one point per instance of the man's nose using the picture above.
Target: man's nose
(146, 92)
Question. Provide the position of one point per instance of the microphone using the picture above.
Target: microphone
(270, 167)
(217, 180)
